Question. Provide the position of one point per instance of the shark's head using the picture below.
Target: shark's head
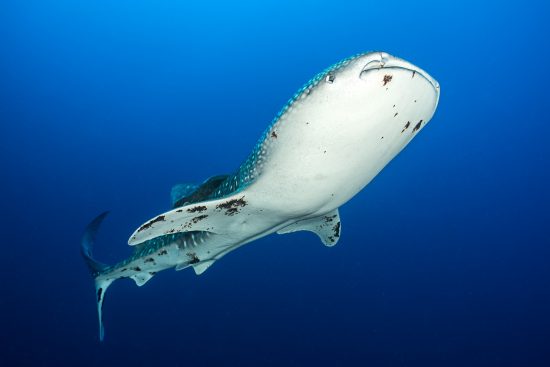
(352, 119)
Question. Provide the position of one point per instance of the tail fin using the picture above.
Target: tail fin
(101, 285)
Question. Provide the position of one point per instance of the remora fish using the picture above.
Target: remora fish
(327, 143)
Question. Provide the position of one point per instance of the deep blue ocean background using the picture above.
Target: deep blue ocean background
(444, 258)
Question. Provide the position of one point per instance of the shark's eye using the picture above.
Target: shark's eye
(330, 78)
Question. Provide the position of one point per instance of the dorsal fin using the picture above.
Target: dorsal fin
(327, 227)
(189, 193)
(181, 191)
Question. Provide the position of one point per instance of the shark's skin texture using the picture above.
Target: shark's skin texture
(328, 142)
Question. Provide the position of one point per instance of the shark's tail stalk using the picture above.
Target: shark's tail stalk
(96, 268)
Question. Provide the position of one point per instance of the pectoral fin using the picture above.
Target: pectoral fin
(327, 227)
(220, 216)
(141, 278)
(201, 267)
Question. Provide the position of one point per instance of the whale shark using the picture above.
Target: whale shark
(325, 145)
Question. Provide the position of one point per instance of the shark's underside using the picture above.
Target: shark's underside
(328, 142)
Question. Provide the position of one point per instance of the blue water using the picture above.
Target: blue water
(443, 260)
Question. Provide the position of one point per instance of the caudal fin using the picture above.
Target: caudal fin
(96, 268)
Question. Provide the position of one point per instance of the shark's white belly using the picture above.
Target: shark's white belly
(334, 140)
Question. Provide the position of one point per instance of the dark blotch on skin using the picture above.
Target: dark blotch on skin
(99, 293)
(199, 218)
(274, 134)
(149, 260)
(163, 252)
(417, 127)
(231, 207)
(387, 79)
(232, 203)
(406, 126)
(231, 211)
(198, 208)
(194, 259)
(160, 218)
(336, 229)
(179, 210)
(414, 73)
(395, 114)
(137, 268)
(329, 219)
(152, 272)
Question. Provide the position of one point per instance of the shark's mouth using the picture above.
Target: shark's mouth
(379, 60)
